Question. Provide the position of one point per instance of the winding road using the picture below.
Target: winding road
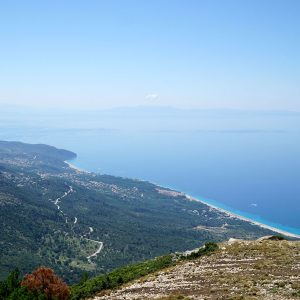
(91, 229)
(96, 252)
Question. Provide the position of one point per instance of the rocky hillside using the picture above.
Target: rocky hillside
(262, 269)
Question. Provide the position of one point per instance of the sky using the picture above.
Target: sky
(97, 54)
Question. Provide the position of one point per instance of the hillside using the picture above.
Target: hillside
(76, 222)
(266, 270)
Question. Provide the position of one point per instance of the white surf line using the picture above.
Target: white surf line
(234, 215)
(75, 168)
(96, 252)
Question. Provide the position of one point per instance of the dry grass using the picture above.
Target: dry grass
(241, 270)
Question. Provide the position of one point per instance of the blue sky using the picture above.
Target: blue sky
(101, 54)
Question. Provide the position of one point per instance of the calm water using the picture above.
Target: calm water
(255, 172)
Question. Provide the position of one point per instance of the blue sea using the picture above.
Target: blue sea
(249, 165)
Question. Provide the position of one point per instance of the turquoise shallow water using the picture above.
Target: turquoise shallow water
(251, 217)
(217, 204)
(253, 173)
(257, 174)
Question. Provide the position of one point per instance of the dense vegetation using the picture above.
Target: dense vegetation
(44, 284)
(131, 272)
(135, 220)
(11, 289)
(119, 276)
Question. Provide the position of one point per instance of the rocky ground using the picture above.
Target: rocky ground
(262, 269)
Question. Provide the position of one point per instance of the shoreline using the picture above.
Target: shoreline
(237, 216)
(225, 211)
(75, 168)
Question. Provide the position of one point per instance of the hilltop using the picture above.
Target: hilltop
(261, 269)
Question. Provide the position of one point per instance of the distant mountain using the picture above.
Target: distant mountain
(74, 221)
(160, 111)
(148, 111)
(24, 121)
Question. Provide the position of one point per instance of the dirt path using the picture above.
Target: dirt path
(91, 229)
(96, 252)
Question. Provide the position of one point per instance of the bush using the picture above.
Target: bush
(10, 284)
(276, 238)
(119, 276)
(10, 289)
(206, 250)
(43, 280)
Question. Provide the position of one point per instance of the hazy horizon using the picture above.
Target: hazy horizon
(133, 131)
(192, 54)
(200, 95)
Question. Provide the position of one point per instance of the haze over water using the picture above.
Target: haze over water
(64, 62)
(246, 161)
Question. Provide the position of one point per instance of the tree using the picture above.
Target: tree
(13, 280)
(11, 289)
(120, 280)
(84, 277)
(10, 284)
(44, 280)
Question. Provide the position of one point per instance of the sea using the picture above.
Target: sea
(247, 163)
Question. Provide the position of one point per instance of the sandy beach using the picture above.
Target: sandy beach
(230, 214)
(233, 215)
(75, 168)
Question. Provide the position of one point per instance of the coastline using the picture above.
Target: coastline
(237, 216)
(75, 168)
(225, 211)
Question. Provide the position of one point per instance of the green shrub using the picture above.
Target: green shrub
(131, 272)
(276, 238)
(119, 276)
(206, 250)
(10, 289)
